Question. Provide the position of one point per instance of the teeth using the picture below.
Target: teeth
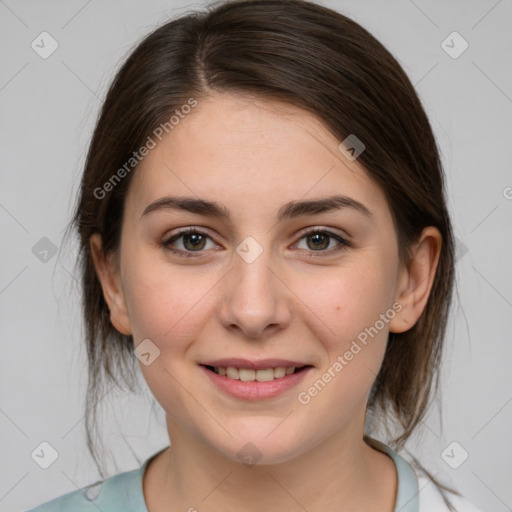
(248, 375)
(264, 375)
(233, 373)
(280, 371)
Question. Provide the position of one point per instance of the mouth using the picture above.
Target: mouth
(251, 374)
(255, 380)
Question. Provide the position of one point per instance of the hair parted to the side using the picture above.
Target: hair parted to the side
(304, 54)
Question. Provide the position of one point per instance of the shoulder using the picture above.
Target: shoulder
(119, 493)
(81, 501)
(431, 499)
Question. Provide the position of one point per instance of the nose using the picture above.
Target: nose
(255, 301)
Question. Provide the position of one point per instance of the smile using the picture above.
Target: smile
(249, 374)
(247, 380)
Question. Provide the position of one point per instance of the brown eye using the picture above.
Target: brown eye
(187, 242)
(322, 241)
(318, 241)
(194, 241)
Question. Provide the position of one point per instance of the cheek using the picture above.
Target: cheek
(167, 306)
(166, 303)
(352, 300)
(359, 310)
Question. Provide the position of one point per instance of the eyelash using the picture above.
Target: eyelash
(343, 244)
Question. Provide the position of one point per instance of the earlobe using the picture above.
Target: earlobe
(109, 276)
(416, 279)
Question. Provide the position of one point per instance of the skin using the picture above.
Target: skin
(292, 302)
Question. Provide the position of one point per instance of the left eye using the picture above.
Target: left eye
(319, 241)
(194, 241)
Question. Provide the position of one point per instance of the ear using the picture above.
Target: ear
(108, 273)
(416, 278)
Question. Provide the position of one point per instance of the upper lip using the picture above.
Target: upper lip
(262, 364)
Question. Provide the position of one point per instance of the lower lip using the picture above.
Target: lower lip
(255, 390)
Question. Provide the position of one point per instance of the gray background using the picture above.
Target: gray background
(48, 109)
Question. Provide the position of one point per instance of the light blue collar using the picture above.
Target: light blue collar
(407, 497)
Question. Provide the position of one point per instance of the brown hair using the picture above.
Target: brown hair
(312, 57)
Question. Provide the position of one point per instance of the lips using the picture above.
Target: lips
(251, 380)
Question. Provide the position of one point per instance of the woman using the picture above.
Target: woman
(263, 224)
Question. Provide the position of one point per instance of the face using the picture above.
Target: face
(262, 285)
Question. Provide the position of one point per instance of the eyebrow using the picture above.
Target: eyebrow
(289, 210)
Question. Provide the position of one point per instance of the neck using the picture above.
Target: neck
(343, 473)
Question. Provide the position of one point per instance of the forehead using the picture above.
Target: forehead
(233, 146)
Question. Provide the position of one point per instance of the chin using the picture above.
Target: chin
(262, 446)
